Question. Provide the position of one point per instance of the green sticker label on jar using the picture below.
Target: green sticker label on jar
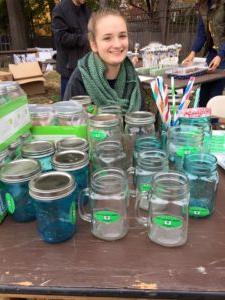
(144, 187)
(73, 213)
(10, 203)
(98, 135)
(167, 221)
(90, 108)
(200, 212)
(106, 216)
(182, 151)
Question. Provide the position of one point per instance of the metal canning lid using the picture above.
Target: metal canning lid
(104, 120)
(82, 99)
(72, 143)
(70, 160)
(52, 186)
(20, 170)
(140, 118)
(37, 149)
(4, 154)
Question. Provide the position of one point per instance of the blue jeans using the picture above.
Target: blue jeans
(214, 88)
(64, 81)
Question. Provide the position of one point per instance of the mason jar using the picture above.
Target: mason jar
(103, 127)
(13, 89)
(205, 124)
(167, 219)
(53, 196)
(68, 113)
(3, 95)
(109, 154)
(112, 109)
(41, 151)
(15, 176)
(72, 143)
(76, 163)
(183, 140)
(85, 101)
(201, 170)
(140, 123)
(41, 115)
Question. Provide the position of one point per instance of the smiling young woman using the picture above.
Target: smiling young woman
(106, 74)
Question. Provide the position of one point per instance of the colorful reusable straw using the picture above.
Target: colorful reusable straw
(187, 93)
(197, 94)
(173, 110)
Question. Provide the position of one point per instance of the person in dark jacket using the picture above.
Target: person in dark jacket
(106, 74)
(69, 25)
(211, 35)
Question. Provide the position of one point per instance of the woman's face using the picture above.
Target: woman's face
(111, 40)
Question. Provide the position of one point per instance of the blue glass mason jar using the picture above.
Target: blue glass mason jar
(183, 140)
(53, 195)
(72, 143)
(41, 151)
(201, 170)
(205, 124)
(109, 154)
(149, 163)
(15, 177)
(76, 163)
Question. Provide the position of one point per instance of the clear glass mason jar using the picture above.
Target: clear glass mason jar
(108, 197)
(183, 140)
(109, 154)
(111, 109)
(149, 163)
(201, 170)
(168, 209)
(205, 124)
(41, 115)
(53, 196)
(15, 177)
(85, 101)
(13, 89)
(72, 143)
(140, 123)
(68, 113)
(76, 163)
(103, 127)
(41, 151)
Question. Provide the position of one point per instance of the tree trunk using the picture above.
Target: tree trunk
(16, 24)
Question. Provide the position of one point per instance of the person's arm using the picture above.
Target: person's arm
(62, 32)
(75, 86)
(198, 43)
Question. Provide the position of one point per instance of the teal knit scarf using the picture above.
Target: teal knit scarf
(126, 92)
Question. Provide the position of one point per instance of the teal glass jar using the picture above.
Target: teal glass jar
(15, 177)
(109, 154)
(183, 140)
(76, 163)
(201, 170)
(205, 124)
(144, 144)
(149, 163)
(72, 143)
(53, 196)
(41, 151)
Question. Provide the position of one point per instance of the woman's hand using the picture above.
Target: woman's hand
(134, 60)
(189, 59)
(215, 62)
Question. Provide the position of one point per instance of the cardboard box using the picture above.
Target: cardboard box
(6, 76)
(29, 76)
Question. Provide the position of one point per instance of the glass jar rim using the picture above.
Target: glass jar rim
(104, 120)
(139, 118)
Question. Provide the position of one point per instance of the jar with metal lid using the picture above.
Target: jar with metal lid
(15, 177)
(68, 113)
(103, 127)
(205, 124)
(183, 140)
(201, 170)
(41, 115)
(85, 101)
(140, 123)
(41, 151)
(13, 89)
(76, 163)
(72, 143)
(109, 154)
(53, 195)
(3, 95)
(112, 109)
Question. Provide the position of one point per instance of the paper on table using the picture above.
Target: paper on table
(145, 78)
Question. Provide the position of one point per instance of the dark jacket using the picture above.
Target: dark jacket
(69, 25)
(211, 27)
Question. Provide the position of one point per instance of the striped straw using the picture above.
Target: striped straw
(187, 92)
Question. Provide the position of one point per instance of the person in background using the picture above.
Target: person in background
(69, 25)
(211, 34)
(106, 74)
